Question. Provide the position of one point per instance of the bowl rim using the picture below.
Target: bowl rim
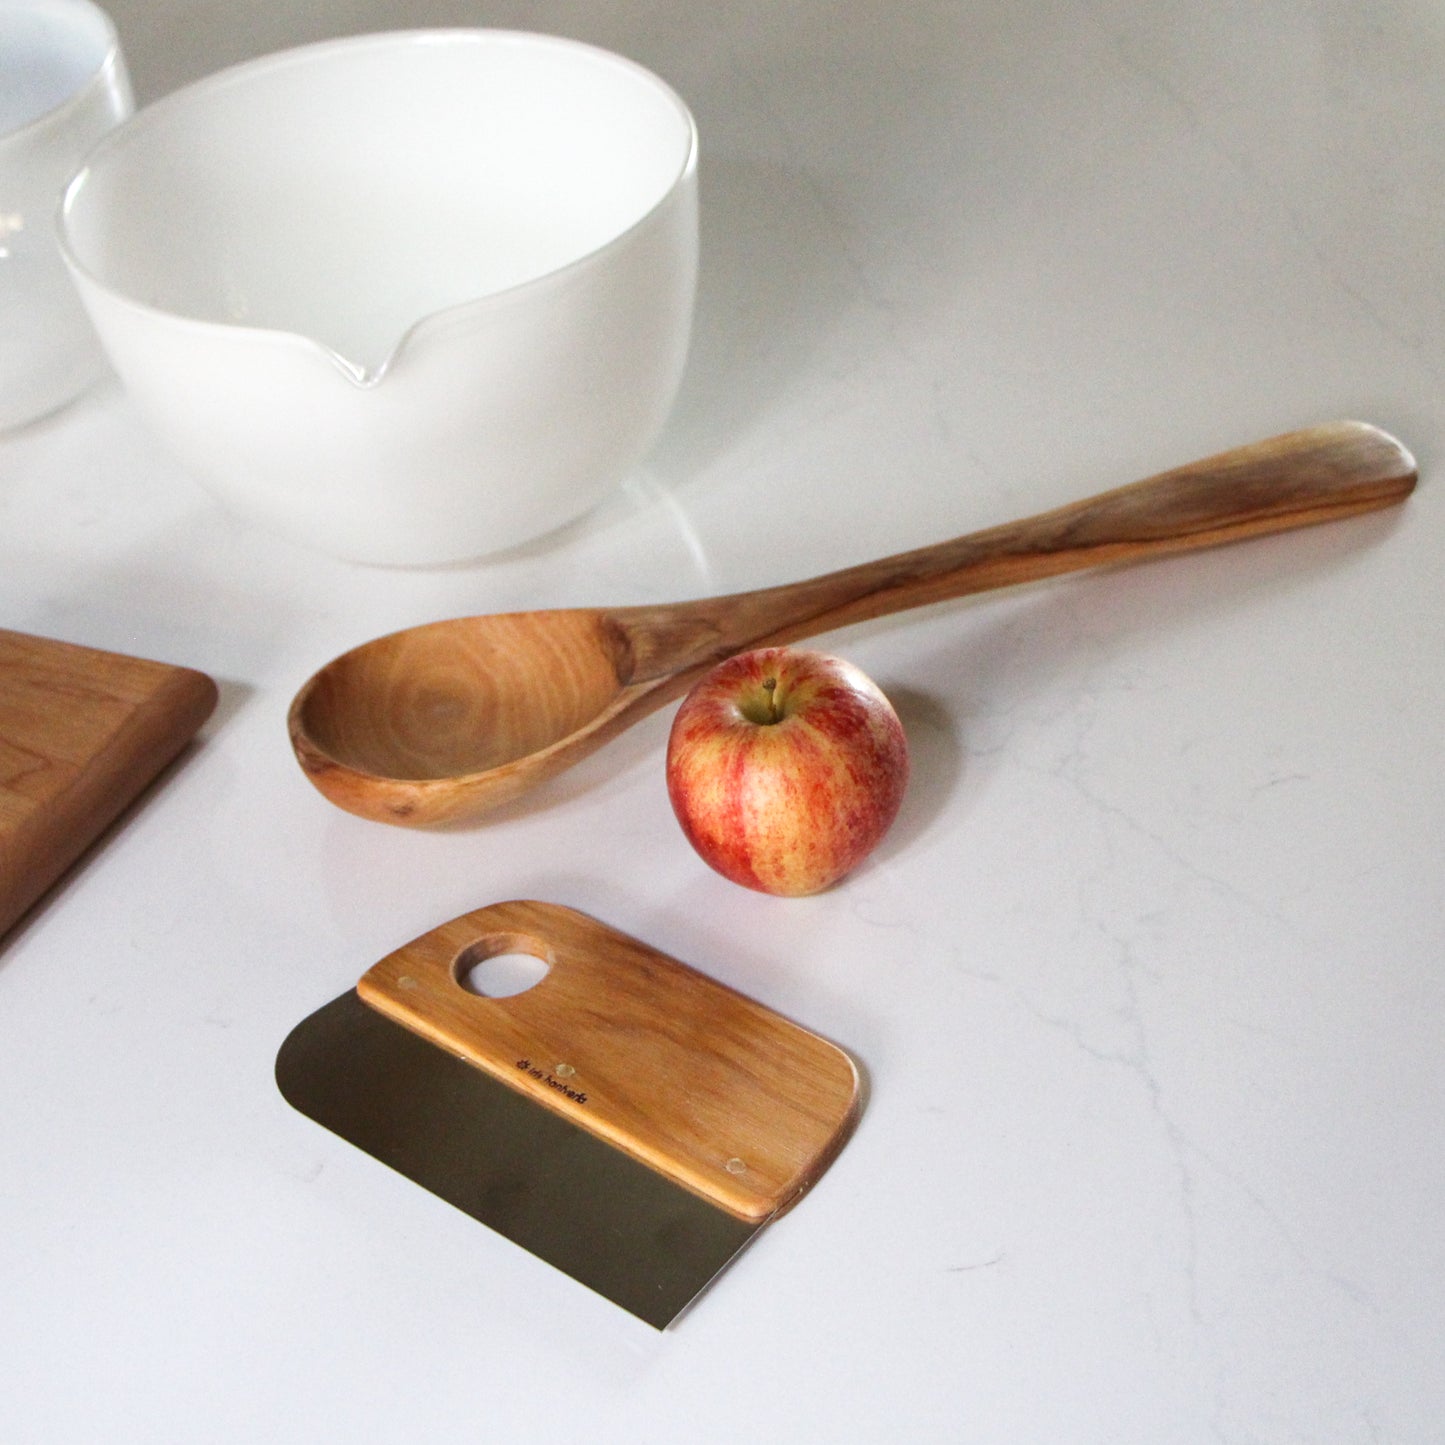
(108, 69)
(363, 376)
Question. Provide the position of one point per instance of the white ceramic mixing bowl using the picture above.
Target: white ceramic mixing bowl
(407, 298)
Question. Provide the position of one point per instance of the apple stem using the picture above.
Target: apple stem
(770, 686)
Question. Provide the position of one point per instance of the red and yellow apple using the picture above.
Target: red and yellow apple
(785, 768)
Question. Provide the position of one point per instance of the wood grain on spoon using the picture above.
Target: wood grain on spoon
(442, 723)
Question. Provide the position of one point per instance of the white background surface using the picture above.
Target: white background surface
(1147, 981)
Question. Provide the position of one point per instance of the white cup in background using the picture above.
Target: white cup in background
(63, 84)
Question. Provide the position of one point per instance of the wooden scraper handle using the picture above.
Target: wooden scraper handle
(702, 1084)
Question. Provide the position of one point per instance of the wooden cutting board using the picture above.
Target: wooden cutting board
(82, 732)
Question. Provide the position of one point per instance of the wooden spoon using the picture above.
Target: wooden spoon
(441, 723)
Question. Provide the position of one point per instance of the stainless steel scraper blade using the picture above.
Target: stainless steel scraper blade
(581, 1205)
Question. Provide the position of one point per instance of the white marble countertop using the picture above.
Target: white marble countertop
(1148, 981)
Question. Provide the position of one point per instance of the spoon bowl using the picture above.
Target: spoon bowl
(463, 697)
(442, 723)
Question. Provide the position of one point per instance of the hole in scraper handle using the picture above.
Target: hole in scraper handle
(500, 967)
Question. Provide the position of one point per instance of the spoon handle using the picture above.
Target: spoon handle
(1316, 475)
